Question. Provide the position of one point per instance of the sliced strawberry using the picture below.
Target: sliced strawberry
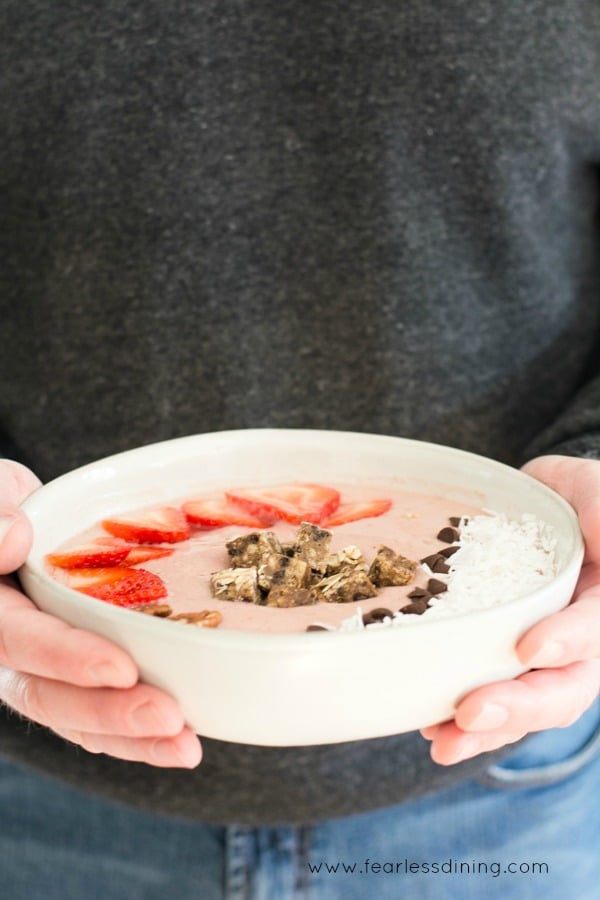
(79, 578)
(291, 502)
(101, 552)
(120, 585)
(215, 513)
(351, 512)
(165, 523)
(144, 552)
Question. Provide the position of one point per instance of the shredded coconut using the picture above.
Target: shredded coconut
(498, 560)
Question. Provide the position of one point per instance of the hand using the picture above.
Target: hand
(562, 650)
(78, 684)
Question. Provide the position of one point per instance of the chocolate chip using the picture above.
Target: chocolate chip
(446, 552)
(432, 559)
(317, 628)
(419, 593)
(417, 607)
(436, 563)
(377, 615)
(448, 534)
(455, 520)
(436, 586)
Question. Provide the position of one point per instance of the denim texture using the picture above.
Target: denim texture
(539, 806)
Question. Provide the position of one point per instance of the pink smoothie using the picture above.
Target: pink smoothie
(408, 528)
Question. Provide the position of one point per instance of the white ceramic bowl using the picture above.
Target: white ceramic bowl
(308, 688)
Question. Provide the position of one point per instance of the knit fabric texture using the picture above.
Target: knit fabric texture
(366, 216)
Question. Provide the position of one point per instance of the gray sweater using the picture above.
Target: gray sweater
(371, 216)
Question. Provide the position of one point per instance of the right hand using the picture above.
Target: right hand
(76, 683)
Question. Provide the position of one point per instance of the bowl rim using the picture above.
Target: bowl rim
(275, 642)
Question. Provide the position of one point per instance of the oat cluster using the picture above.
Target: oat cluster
(304, 572)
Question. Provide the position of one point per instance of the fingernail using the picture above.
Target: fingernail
(168, 754)
(106, 675)
(548, 655)
(147, 719)
(492, 715)
(469, 746)
(430, 732)
(6, 523)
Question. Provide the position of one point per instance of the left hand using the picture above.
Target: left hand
(562, 650)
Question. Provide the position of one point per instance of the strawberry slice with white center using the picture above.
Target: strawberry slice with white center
(352, 512)
(119, 585)
(144, 552)
(164, 524)
(99, 553)
(215, 513)
(293, 503)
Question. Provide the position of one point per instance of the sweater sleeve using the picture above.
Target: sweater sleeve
(8, 448)
(576, 431)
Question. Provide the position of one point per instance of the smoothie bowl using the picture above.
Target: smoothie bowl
(295, 587)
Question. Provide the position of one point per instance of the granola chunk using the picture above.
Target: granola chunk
(279, 569)
(345, 587)
(389, 568)
(349, 557)
(285, 596)
(312, 545)
(237, 584)
(252, 549)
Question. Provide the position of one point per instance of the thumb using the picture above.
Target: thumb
(16, 483)
(578, 482)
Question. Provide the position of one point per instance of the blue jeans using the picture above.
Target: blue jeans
(529, 828)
